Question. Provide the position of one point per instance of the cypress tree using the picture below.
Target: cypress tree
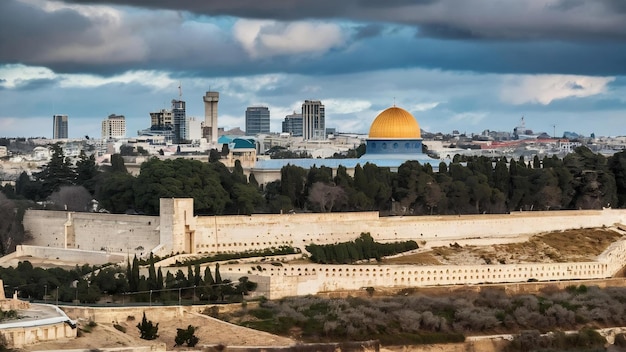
(208, 278)
(159, 279)
(152, 277)
(197, 279)
(218, 277)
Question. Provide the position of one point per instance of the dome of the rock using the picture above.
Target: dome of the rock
(395, 123)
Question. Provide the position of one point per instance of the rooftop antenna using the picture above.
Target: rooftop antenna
(180, 89)
(394, 102)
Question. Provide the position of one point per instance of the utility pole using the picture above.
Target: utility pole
(554, 134)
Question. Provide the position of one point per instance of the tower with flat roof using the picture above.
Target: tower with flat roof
(257, 120)
(209, 129)
(179, 119)
(59, 126)
(114, 127)
(313, 120)
(293, 124)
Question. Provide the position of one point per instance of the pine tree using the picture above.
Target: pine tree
(86, 172)
(56, 173)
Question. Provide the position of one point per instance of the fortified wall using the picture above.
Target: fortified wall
(124, 234)
(210, 234)
(280, 280)
(177, 230)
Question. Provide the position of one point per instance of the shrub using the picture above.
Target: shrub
(148, 331)
(186, 336)
(119, 328)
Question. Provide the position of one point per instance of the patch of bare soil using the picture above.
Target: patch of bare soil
(210, 331)
(554, 247)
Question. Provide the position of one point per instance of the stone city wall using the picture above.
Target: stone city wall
(177, 230)
(122, 314)
(70, 255)
(47, 227)
(239, 233)
(125, 234)
(19, 337)
(304, 279)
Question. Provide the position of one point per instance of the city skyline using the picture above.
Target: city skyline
(469, 67)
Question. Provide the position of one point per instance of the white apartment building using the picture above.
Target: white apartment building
(114, 127)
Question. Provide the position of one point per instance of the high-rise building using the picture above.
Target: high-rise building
(313, 120)
(59, 126)
(293, 124)
(257, 120)
(114, 127)
(194, 128)
(179, 121)
(209, 130)
(161, 119)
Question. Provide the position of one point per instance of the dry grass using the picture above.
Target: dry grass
(554, 247)
(424, 258)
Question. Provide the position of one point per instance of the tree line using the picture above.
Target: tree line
(363, 248)
(465, 185)
(88, 284)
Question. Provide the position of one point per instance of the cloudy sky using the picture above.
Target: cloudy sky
(456, 65)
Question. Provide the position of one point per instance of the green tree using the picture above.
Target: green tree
(56, 173)
(87, 172)
(292, 183)
(179, 178)
(27, 188)
(117, 163)
(147, 330)
(115, 193)
(11, 229)
(246, 198)
(186, 336)
(152, 276)
(617, 165)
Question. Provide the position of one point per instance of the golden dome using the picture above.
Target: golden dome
(395, 123)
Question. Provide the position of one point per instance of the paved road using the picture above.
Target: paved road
(37, 314)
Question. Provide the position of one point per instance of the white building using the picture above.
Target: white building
(114, 127)
(313, 120)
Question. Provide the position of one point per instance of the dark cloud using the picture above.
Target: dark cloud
(615, 5)
(26, 31)
(491, 19)
(575, 86)
(269, 9)
(368, 31)
(34, 84)
(446, 31)
(567, 5)
(482, 36)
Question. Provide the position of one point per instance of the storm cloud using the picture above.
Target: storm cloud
(472, 64)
